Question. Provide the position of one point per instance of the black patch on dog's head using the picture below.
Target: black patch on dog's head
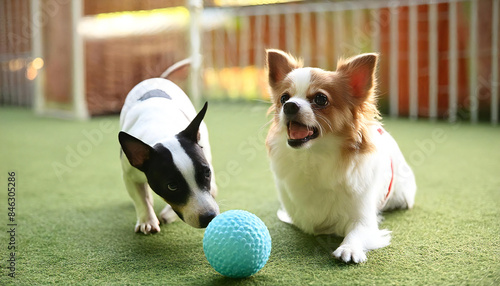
(158, 165)
(154, 93)
(165, 179)
(203, 174)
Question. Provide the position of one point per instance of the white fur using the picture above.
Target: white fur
(158, 120)
(321, 196)
(306, 115)
(182, 161)
(301, 79)
(199, 201)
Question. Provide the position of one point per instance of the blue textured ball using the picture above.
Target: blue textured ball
(237, 244)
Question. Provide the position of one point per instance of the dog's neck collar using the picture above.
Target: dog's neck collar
(381, 132)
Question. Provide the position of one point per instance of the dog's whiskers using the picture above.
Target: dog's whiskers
(323, 119)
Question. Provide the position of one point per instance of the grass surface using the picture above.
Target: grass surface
(75, 219)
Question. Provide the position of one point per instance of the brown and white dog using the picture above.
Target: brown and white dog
(336, 169)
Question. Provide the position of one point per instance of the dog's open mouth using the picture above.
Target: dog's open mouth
(298, 133)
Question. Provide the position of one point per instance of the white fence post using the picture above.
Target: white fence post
(375, 29)
(78, 65)
(274, 25)
(305, 34)
(37, 52)
(321, 43)
(290, 32)
(244, 41)
(195, 9)
(338, 38)
(394, 62)
(259, 40)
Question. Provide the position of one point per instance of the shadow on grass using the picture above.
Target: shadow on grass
(175, 250)
(258, 279)
(176, 253)
(394, 214)
(290, 244)
(319, 248)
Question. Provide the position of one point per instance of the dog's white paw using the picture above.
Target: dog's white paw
(349, 253)
(168, 215)
(284, 217)
(149, 226)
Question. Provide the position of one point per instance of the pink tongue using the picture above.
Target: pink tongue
(298, 131)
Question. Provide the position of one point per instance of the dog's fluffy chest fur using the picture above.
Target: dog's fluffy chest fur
(319, 190)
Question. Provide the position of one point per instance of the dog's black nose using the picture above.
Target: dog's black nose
(290, 108)
(206, 218)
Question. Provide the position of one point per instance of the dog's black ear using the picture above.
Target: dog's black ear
(137, 152)
(191, 132)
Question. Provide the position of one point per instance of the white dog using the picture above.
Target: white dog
(334, 165)
(166, 148)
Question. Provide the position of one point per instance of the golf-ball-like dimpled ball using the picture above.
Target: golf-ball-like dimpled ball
(237, 244)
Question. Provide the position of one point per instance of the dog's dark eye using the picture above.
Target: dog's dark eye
(208, 173)
(284, 98)
(320, 99)
(172, 187)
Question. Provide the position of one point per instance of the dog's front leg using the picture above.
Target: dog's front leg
(147, 222)
(364, 236)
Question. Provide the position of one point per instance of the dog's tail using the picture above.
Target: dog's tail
(178, 66)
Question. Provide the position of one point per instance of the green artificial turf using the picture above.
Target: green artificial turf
(75, 220)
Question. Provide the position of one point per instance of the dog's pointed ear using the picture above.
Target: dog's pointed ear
(279, 64)
(360, 71)
(192, 131)
(137, 152)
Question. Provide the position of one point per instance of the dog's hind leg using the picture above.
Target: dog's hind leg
(147, 222)
(168, 215)
(405, 188)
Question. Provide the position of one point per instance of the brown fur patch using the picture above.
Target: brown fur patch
(279, 64)
(350, 90)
